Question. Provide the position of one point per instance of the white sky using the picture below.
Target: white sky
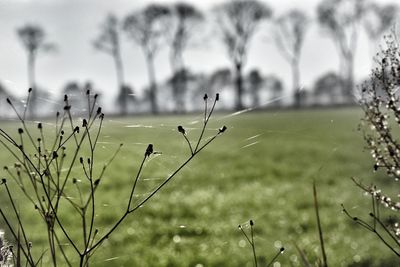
(73, 24)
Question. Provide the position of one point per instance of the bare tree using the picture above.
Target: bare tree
(341, 19)
(146, 27)
(33, 39)
(256, 81)
(289, 36)
(178, 83)
(108, 42)
(184, 21)
(378, 19)
(238, 21)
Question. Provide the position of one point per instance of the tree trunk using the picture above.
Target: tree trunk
(120, 81)
(32, 84)
(296, 82)
(180, 91)
(239, 86)
(256, 101)
(152, 83)
(179, 76)
(349, 79)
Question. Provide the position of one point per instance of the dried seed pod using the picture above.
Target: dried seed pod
(149, 150)
(181, 130)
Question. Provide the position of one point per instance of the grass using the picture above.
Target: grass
(261, 169)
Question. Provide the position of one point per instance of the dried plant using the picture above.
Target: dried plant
(5, 252)
(380, 102)
(250, 240)
(323, 260)
(44, 173)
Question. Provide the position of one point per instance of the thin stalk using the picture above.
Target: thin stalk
(386, 229)
(18, 218)
(188, 142)
(62, 251)
(275, 257)
(321, 238)
(253, 246)
(135, 182)
(52, 248)
(205, 122)
(58, 220)
(15, 236)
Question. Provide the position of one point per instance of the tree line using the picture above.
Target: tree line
(176, 26)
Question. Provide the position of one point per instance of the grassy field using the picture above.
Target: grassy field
(261, 169)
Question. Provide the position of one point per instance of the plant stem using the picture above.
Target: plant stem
(321, 238)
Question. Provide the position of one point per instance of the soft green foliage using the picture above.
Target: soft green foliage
(262, 169)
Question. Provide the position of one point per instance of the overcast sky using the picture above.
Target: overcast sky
(73, 24)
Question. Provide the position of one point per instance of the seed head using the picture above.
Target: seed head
(84, 123)
(20, 131)
(222, 129)
(251, 223)
(8, 101)
(217, 97)
(205, 97)
(29, 90)
(181, 130)
(376, 166)
(39, 125)
(149, 150)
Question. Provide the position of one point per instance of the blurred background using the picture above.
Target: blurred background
(291, 54)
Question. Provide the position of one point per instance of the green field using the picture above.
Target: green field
(262, 168)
